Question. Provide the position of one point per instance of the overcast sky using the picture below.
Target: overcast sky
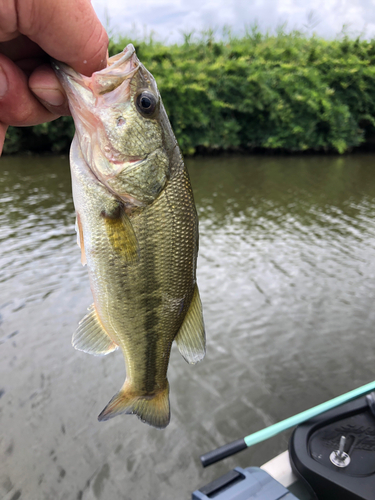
(169, 17)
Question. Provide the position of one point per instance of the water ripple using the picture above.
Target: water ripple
(287, 278)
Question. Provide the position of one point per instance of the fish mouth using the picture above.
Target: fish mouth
(119, 68)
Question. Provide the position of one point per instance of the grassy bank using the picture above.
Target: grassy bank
(282, 92)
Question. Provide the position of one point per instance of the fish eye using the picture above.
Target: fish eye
(146, 103)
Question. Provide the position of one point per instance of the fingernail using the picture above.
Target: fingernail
(3, 83)
(51, 96)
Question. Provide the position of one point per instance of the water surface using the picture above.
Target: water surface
(287, 279)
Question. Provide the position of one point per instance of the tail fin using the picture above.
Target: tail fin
(153, 410)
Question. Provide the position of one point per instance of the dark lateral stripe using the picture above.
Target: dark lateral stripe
(150, 304)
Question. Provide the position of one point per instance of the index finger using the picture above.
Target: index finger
(69, 31)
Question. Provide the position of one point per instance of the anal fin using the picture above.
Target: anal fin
(91, 337)
(191, 338)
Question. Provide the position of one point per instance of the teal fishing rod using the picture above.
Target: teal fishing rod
(257, 437)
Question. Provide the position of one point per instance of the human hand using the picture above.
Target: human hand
(30, 31)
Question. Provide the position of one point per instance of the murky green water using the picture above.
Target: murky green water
(287, 279)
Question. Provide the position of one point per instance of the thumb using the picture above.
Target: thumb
(18, 105)
(45, 85)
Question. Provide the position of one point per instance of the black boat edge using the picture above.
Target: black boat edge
(315, 454)
(330, 457)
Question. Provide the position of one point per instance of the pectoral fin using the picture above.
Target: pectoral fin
(91, 337)
(80, 240)
(121, 233)
(191, 338)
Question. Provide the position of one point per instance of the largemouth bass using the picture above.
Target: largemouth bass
(137, 228)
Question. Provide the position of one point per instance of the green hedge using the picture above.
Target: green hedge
(285, 91)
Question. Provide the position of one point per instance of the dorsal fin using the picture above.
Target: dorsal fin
(191, 338)
(91, 337)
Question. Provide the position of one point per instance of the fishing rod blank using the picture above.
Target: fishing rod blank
(257, 437)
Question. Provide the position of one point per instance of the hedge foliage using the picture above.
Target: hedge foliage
(285, 91)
